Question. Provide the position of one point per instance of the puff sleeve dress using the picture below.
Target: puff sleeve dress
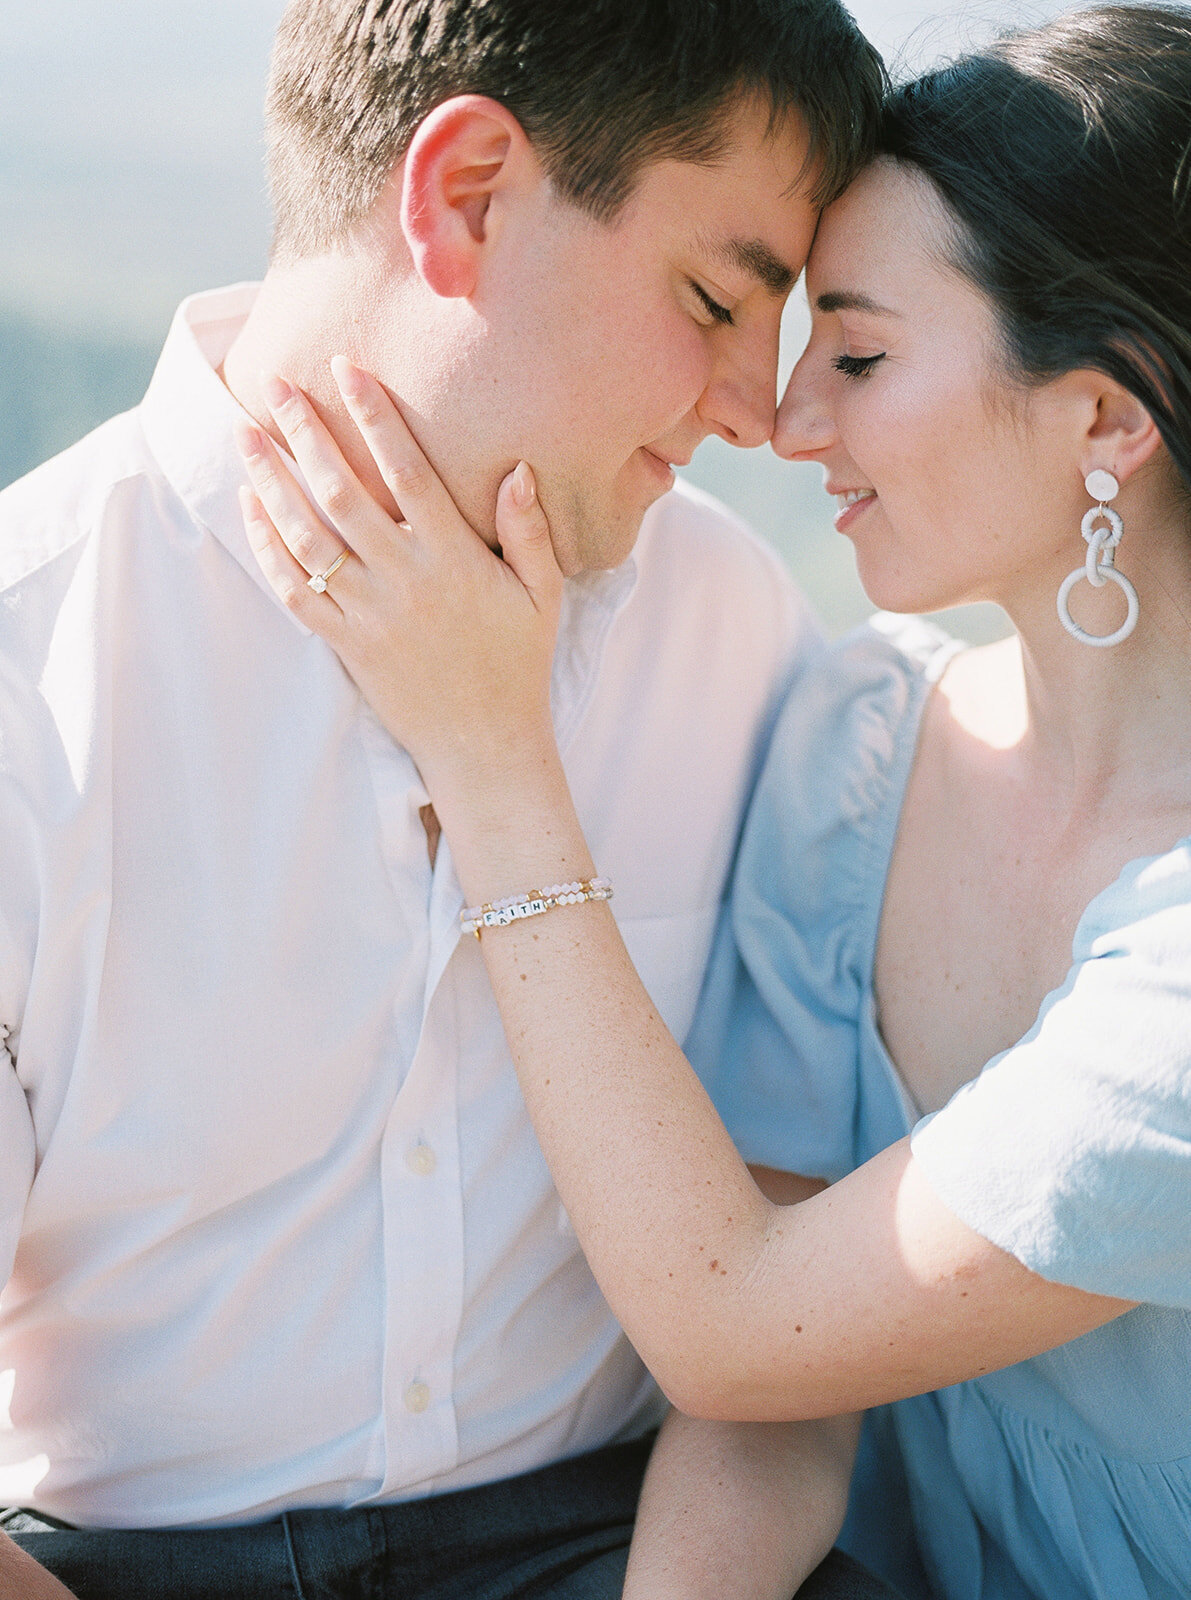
(1066, 1477)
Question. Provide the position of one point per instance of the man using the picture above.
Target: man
(285, 1270)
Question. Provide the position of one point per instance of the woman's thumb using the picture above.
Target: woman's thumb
(524, 535)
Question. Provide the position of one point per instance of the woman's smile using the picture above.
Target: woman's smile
(853, 503)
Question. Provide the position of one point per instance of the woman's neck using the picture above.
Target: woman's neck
(1107, 726)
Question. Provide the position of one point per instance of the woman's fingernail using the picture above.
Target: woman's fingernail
(523, 486)
(277, 392)
(348, 376)
(249, 440)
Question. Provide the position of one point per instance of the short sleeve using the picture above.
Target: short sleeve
(1072, 1150)
(775, 1039)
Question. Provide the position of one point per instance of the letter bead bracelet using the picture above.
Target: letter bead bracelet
(499, 913)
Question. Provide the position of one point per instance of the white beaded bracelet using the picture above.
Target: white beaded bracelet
(499, 913)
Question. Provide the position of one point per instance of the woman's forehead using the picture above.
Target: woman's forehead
(884, 239)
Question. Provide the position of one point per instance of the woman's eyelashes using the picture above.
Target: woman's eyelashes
(713, 308)
(856, 366)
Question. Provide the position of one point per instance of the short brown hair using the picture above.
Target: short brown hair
(601, 87)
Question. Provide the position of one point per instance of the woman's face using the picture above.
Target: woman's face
(954, 483)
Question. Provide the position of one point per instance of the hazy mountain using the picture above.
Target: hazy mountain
(55, 387)
(131, 168)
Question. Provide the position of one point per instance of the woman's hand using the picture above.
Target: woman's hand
(451, 646)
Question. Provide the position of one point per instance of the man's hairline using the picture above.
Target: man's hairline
(734, 104)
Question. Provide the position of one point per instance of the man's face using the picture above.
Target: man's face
(602, 353)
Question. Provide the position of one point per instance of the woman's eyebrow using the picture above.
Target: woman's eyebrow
(850, 300)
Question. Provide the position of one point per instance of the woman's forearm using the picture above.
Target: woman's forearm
(670, 1219)
(746, 1509)
(21, 1578)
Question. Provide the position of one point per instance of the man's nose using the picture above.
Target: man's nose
(740, 400)
(804, 427)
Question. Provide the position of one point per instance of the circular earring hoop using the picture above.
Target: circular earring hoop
(1102, 639)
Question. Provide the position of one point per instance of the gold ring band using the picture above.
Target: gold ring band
(318, 580)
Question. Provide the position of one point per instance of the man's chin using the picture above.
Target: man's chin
(592, 544)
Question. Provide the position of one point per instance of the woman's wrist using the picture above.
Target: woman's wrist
(511, 825)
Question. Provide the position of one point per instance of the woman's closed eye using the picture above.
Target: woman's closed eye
(857, 366)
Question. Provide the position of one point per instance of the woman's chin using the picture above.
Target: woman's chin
(902, 597)
(905, 591)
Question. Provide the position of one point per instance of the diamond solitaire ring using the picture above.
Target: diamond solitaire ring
(318, 582)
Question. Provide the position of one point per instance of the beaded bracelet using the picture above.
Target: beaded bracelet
(500, 913)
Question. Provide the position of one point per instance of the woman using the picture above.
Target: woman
(956, 857)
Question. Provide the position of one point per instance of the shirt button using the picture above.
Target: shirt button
(421, 1159)
(417, 1397)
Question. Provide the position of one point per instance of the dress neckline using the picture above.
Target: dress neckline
(908, 735)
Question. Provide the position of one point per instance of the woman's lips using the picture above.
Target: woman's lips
(853, 503)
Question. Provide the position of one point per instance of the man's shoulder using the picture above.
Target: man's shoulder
(50, 510)
(704, 575)
(690, 536)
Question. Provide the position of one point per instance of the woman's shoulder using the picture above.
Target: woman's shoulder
(842, 744)
(776, 1037)
(816, 844)
(865, 685)
(1145, 914)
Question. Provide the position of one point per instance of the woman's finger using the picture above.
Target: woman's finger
(313, 546)
(288, 580)
(524, 535)
(412, 481)
(334, 487)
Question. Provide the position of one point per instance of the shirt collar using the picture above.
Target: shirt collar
(188, 415)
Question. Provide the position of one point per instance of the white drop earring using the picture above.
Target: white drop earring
(1100, 566)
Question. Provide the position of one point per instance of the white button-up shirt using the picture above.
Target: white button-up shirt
(275, 1228)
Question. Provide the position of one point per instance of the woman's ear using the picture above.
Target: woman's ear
(1122, 436)
(464, 161)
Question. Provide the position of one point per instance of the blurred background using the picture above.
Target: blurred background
(131, 175)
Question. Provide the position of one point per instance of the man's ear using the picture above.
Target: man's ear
(462, 163)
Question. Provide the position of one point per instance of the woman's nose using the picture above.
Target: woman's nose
(804, 428)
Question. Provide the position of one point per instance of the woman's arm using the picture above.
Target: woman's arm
(740, 1509)
(743, 1310)
(21, 1578)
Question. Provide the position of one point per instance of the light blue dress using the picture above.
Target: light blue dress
(1069, 1476)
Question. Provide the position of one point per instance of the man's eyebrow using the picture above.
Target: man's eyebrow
(756, 258)
(849, 300)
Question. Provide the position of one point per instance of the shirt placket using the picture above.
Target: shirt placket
(422, 1187)
(421, 1152)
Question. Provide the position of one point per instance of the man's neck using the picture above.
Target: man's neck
(305, 313)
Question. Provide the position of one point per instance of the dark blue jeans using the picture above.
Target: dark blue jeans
(561, 1533)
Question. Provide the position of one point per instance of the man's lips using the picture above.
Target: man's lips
(662, 466)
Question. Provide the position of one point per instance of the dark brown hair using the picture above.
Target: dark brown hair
(1064, 155)
(601, 87)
